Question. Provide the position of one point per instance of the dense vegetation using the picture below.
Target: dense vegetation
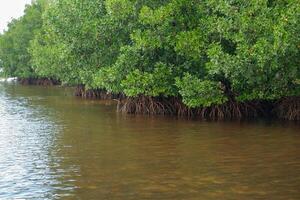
(14, 55)
(214, 58)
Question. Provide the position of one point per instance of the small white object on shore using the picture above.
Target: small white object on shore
(9, 80)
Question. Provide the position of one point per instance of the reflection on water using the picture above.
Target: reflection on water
(29, 166)
(54, 146)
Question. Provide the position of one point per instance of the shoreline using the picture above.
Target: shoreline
(287, 108)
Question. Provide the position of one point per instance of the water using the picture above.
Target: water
(55, 146)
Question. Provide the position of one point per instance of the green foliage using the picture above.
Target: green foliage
(205, 52)
(156, 83)
(197, 92)
(80, 38)
(110, 77)
(120, 9)
(14, 42)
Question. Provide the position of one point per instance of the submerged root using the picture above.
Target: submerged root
(152, 106)
(39, 81)
(174, 106)
(288, 108)
(232, 110)
(80, 91)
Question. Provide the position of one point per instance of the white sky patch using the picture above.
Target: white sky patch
(10, 9)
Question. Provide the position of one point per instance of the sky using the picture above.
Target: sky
(11, 9)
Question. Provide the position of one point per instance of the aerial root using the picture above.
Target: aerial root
(288, 108)
(174, 106)
(38, 81)
(80, 91)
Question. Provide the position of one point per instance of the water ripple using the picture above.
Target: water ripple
(27, 150)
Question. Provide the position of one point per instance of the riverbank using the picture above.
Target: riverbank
(287, 108)
(81, 91)
(38, 81)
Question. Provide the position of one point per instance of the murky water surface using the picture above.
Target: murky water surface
(54, 146)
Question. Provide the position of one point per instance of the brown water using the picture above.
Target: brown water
(54, 146)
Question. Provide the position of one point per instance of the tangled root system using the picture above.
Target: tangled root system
(38, 81)
(288, 108)
(152, 106)
(80, 91)
(231, 110)
(174, 106)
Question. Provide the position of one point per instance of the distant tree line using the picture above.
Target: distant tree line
(204, 53)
